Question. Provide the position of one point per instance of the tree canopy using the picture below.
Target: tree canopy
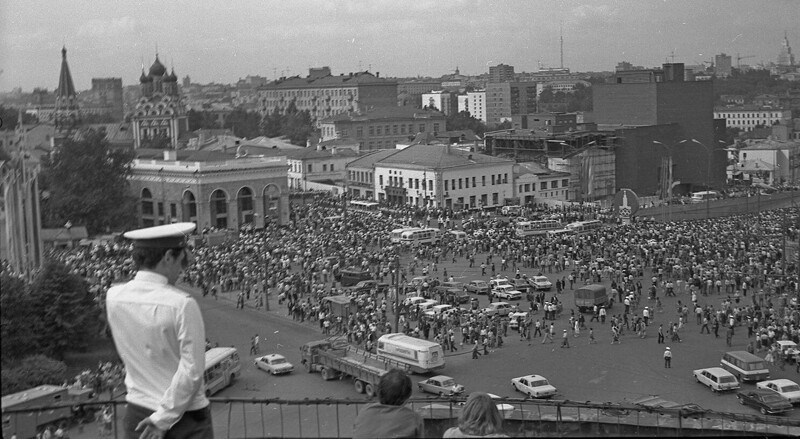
(85, 182)
(464, 121)
(292, 123)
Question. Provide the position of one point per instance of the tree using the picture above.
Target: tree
(17, 318)
(67, 316)
(85, 182)
(464, 121)
(10, 117)
(33, 371)
(243, 123)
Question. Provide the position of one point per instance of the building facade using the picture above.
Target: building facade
(361, 174)
(324, 95)
(307, 165)
(441, 176)
(504, 99)
(747, 118)
(381, 128)
(159, 114)
(441, 100)
(534, 183)
(722, 65)
(501, 73)
(107, 96)
(218, 191)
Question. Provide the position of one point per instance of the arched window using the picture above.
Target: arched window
(244, 201)
(147, 202)
(219, 209)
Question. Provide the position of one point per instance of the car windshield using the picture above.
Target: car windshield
(277, 361)
(539, 383)
(448, 383)
(727, 379)
(791, 388)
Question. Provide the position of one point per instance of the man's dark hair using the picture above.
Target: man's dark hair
(394, 388)
(148, 258)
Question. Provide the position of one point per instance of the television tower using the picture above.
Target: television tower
(562, 45)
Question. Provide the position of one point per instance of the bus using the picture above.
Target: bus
(364, 206)
(699, 197)
(540, 227)
(421, 236)
(26, 424)
(421, 356)
(396, 234)
(352, 275)
(580, 227)
(222, 369)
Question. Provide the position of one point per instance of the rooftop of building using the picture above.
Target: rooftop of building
(357, 78)
(184, 155)
(537, 169)
(769, 144)
(747, 107)
(438, 156)
(384, 113)
(369, 159)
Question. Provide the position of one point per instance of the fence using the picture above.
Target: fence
(311, 418)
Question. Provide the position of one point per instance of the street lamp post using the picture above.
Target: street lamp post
(710, 152)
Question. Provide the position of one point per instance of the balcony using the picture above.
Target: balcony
(314, 418)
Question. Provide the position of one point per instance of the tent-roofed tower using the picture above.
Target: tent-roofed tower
(67, 113)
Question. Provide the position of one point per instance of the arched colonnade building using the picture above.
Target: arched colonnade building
(210, 189)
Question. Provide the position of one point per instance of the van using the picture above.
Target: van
(699, 197)
(457, 235)
(745, 366)
(353, 275)
(422, 356)
(586, 297)
(716, 378)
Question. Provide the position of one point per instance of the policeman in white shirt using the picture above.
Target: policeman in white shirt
(160, 335)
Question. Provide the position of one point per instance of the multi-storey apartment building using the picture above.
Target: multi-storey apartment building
(504, 99)
(324, 95)
(381, 127)
(749, 117)
(441, 100)
(501, 73)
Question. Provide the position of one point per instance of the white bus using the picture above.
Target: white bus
(222, 369)
(396, 234)
(584, 226)
(364, 206)
(540, 227)
(421, 356)
(699, 197)
(421, 236)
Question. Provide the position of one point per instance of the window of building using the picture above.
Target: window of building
(378, 131)
(371, 130)
(360, 132)
(466, 183)
(543, 186)
(416, 183)
(422, 128)
(410, 183)
(495, 197)
(565, 182)
(324, 168)
(430, 185)
(527, 187)
(505, 178)
(331, 167)
(309, 167)
(436, 128)
(394, 129)
(445, 186)
(473, 182)
(492, 179)
(402, 129)
(459, 183)
(483, 180)
(173, 210)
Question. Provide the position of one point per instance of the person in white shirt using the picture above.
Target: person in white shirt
(159, 334)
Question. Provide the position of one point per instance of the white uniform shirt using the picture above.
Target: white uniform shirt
(159, 333)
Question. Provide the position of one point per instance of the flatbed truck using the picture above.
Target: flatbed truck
(364, 367)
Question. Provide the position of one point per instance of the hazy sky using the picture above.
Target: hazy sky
(222, 41)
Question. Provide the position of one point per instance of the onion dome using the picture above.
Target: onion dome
(171, 77)
(144, 78)
(157, 69)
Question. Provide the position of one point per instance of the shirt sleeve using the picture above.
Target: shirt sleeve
(188, 379)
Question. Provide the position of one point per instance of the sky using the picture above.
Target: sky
(223, 41)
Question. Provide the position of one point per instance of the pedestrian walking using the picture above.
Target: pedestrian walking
(565, 339)
(475, 352)
(660, 334)
(591, 336)
(668, 358)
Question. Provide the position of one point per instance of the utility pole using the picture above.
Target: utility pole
(397, 293)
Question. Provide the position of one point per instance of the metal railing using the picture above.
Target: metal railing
(314, 418)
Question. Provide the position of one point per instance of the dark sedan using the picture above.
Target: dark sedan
(767, 402)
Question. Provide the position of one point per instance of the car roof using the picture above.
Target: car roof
(715, 370)
(440, 377)
(273, 356)
(780, 382)
(533, 377)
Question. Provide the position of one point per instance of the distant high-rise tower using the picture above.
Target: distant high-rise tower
(67, 114)
(785, 56)
(501, 73)
(722, 65)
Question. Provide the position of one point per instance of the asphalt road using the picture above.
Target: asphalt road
(598, 372)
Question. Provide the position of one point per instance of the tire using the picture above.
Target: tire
(307, 365)
(327, 374)
(369, 389)
(358, 385)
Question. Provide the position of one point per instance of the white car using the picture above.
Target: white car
(716, 378)
(786, 388)
(506, 292)
(275, 364)
(535, 386)
(427, 304)
(438, 310)
(541, 283)
(502, 308)
(440, 385)
(412, 301)
(494, 283)
(516, 319)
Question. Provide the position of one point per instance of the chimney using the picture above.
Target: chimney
(170, 155)
(377, 74)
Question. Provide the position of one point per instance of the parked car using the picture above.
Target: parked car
(477, 287)
(438, 310)
(535, 386)
(411, 302)
(275, 364)
(501, 308)
(516, 319)
(440, 385)
(368, 285)
(716, 378)
(427, 304)
(789, 349)
(541, 283)
(494, 283)
(766, 401)
(506, 292)
(785, 388)
(522, 285)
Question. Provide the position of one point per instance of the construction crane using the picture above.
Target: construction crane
(740, 58)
